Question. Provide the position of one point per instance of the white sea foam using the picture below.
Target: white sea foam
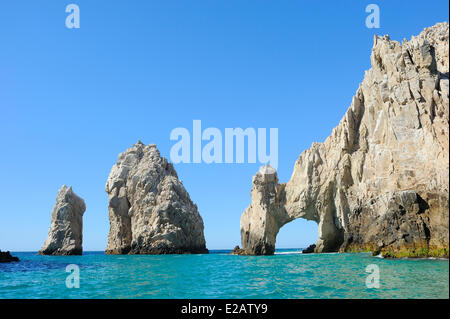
(288, 252)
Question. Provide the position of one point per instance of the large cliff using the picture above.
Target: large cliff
(380, 182)
(150, 211)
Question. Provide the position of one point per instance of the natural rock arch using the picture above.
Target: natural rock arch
(268, 213)
(380, 181)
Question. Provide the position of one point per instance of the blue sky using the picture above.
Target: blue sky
(71, 100)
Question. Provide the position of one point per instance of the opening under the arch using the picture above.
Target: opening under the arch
(297, 234)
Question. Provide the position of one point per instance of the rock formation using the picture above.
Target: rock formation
(6, 257)
(150, 211)
(310, 249)
(237, 251)
(265, 215)
(65, 236)
(380, 182)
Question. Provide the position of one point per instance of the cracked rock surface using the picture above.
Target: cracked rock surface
(380, 181)
(65, 236)
(150, 212)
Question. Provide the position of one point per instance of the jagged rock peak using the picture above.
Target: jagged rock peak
(380, 181)
(65, 236)
(266, 174)
(150, 211)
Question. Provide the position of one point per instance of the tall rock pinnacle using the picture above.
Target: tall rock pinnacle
(150, 211)
(65, 236)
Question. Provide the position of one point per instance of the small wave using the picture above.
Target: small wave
(425, 258)
(288, 252)
(437, 258)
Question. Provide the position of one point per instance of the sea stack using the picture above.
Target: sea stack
(150, 212)
(380, 181)
(65, 236)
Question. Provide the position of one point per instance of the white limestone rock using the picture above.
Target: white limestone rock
(380, 181)
(150, 211)
(65, 236)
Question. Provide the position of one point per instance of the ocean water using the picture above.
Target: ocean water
(288, 274)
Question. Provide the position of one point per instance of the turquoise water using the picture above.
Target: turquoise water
(219, 275)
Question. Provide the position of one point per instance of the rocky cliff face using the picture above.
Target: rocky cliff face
(65, 236)
(150, 212)
(380, 182)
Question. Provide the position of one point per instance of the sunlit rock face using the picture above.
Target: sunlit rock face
(65, 236)
(150, 211)
(380, 181)
(264, 217)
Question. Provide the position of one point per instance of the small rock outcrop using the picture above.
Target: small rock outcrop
(6, 257)
(309, 250)
(65, 236)
(150, 212)
(380, 181)
(237, 251)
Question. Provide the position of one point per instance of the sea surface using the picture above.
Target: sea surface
(288, 274)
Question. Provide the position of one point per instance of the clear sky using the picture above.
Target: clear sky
(71, 100)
